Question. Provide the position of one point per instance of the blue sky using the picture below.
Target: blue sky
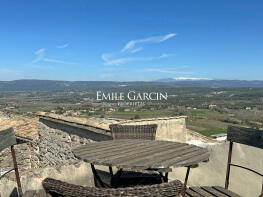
(131, 40)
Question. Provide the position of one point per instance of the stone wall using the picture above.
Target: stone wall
(242, 182)
(52, 147)
(170, 129)
(23, 154)
(75, 129)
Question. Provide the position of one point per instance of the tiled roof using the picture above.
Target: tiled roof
(24, 127)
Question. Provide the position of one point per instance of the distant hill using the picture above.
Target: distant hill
(53, 85)
(195, 82)
(50, 85)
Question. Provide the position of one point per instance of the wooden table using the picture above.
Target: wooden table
(142, 154)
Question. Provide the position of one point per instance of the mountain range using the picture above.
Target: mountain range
(53, 85)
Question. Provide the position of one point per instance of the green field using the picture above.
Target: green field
(209, 110)
(208, 122)
(203, 121)
(206, 127)
(142, 114)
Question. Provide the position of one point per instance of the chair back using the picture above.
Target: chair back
(7, 138)
(247, 136)
(146, 132)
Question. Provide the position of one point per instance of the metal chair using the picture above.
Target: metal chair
(240, 135)
(8, 139)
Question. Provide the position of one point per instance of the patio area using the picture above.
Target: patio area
(210, 173)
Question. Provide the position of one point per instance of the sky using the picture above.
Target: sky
(131, 40)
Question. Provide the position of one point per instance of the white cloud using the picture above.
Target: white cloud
(127, 53)
(40, 54)
(63, 46)
(115, 62)
(56, 61)
(110, 60)
(169, 71)
(136, 50)
(155, 39)
(191, 78)
(164, 55)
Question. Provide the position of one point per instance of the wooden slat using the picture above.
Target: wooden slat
(157, 159)
(191, 193)
(7, 138)
(201, 192)
(178, 159)
(213, 191)
(116, 149)
(101, 146)
(247, 136)
(90, 145)
(108, 148)
(98, 145)
(225, 191)
(115, 146)
(146, 153)
(133, 153)
(111, 143)
(117, 152)
(195, 159)
(101, 149)
(141, 154)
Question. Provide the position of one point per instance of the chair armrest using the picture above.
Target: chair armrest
(6, 172)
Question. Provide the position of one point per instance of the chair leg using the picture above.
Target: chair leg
(228, 164)
(185, 181)
(19, 187)
(162, 177)
(111, 172)
(115, 182)
(97, 177)
(166, 177)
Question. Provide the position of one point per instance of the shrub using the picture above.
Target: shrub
(137, 116)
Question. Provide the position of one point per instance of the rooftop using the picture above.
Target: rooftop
(24, 127)
(103, 123)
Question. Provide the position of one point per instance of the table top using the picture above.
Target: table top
(142, 154)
